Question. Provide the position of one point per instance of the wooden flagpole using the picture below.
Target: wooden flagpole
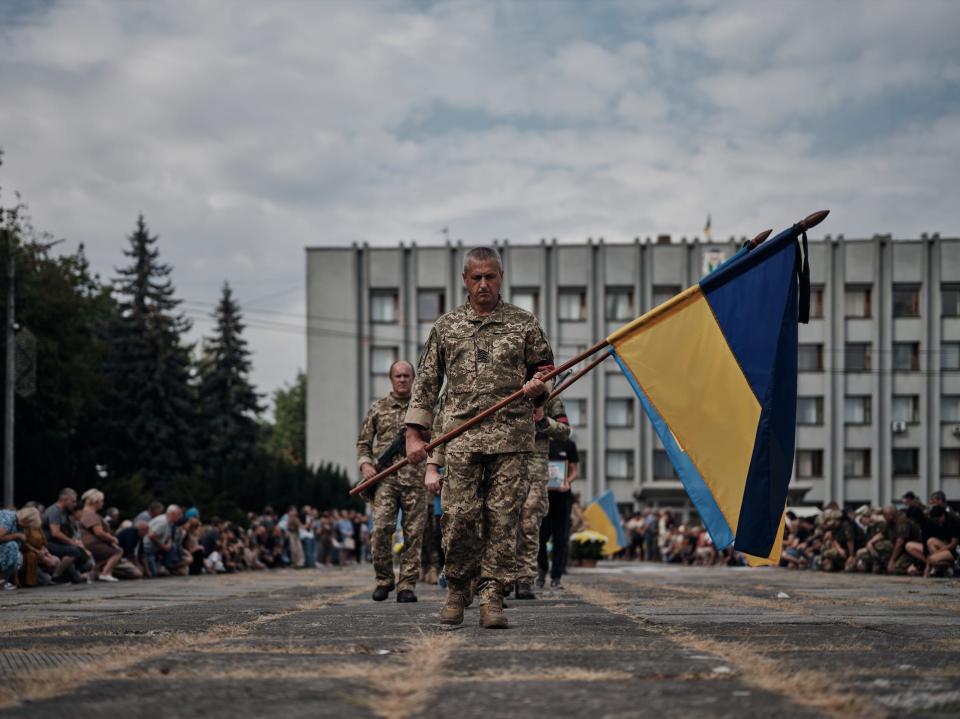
(475, 420)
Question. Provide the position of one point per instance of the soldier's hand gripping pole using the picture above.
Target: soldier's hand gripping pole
(474, 421)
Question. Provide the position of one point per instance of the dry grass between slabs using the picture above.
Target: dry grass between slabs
(754, 668)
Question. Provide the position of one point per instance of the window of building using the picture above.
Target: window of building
(810, 358)
(856, 409)
(572, 306)
(950, 299)
(431, 304)
(906, 301)
(950, 462)
(583, 466)
(816, 302)
(856, 301)
(856, 463)
(384, 306)
(662, 293)
(576, 411)
(906, 462)
(381, 358)
(619, 412)
(526, 299)
(662, 466)
(568, 352)
(905, 408)
(810, 410)
(906, 356)
(809, 463)
(619, 464)
(950, 356)
(856, 356)
(619, 304)
(950, 408)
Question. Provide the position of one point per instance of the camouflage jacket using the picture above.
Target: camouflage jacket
(383, 421)
(554, 425)
(483, 359)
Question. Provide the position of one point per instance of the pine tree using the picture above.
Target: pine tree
(153, 402)
(229, 405)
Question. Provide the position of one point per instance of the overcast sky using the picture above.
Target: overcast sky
(247, 131)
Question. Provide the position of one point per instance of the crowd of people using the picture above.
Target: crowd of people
(909, 538)
(76, 540)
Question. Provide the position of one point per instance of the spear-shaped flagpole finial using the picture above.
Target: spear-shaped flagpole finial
(760, 238)
(811, 221)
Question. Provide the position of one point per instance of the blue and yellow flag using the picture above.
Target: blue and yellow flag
(715, 369)
(602, 516)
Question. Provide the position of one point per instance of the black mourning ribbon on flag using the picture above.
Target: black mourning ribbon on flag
(803, 275)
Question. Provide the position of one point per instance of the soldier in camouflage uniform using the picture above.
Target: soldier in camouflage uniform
(886, 550)
(551, 423)
(485, 350)
(404, 490)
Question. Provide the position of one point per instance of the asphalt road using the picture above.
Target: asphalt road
(624, 640)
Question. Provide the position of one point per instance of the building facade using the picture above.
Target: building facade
(879, 386)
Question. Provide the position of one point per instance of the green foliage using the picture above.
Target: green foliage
(116, 405)
(152, 410)
(287, 438)
(229, 404)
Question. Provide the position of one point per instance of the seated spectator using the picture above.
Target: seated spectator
(112, 517)
(155, 509)
(189, 540)
(11, 535)
(941, 538)
(159, 546)
(97, 540)
(130, 539)
(837, 551)
(39, 566)
(62, 542)
(939, 499)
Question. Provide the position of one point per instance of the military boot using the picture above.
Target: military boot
(492, 616)
(452, 612)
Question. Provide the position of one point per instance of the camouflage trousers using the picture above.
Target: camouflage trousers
(408, 493)
(482, 496)
(879, 558)
(532, 512)
(832, 560)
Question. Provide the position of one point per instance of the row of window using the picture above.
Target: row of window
(859, 357)
(856, 463)
(620, 304)
(857, 409)
(619, 412)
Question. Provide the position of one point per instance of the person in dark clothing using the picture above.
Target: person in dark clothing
(556, 525)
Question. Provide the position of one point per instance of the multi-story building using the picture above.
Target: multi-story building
(879, 386)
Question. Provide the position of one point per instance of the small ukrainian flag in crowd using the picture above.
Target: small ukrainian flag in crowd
(715, 369)
(601, 515)
(708, 229)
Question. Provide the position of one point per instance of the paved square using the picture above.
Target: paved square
(623, 640)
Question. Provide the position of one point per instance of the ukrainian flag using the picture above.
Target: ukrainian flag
(715, 369)
(602, 516)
